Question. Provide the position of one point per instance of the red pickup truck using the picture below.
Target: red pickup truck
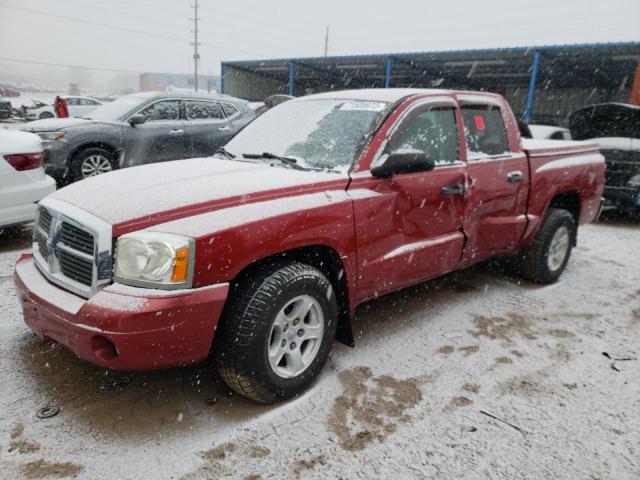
(260, 254)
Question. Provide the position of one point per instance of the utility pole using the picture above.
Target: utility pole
(326, 42)
(196, 55)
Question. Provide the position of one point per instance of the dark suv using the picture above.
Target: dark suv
(616, 128)
(137, 129)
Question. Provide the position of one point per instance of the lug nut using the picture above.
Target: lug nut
(296, 321)
(284, 343)
(286, 327)
(293, 345)
(300, 332)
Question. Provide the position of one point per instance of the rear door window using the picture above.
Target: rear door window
(485, 132)
(200, 110)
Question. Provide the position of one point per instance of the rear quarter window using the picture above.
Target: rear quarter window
(484, 131)
(229, 110)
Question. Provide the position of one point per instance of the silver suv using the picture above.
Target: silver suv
(137, 129)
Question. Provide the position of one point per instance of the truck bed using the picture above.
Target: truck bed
(564, 166)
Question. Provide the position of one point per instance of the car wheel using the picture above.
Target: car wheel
(546, 258)
(276, 334)
(44, 115)
(91, 162)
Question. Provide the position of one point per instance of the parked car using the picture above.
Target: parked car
(137, 129)
(6, 110)
(261, 253)
(549, 132)
(77, 106)
(616, 128)
(22, 179)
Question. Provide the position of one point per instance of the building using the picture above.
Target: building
(544, 84)
(178, 81)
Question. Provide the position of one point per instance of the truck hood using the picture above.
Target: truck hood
(142, 196)
(53, 124)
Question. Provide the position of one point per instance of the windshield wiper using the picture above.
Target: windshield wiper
(271, 156)
(225, 152)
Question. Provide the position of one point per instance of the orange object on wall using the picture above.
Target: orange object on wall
(634, 97)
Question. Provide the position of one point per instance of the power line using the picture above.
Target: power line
(99, 24)
(50, 64)
(123, 29)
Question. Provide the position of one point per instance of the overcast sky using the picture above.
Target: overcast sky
(154, 35)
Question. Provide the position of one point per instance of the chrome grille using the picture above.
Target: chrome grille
(44, 220)
(72, 247)
(42, 244)
(77, 239)
(76, 268)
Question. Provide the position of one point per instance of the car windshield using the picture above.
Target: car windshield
(115, 110)
(317, 133)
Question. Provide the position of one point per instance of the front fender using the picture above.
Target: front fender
(230, 239)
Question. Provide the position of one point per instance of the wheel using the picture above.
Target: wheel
(44, 115)
(276, 334)
(546, 258)
(91, 162)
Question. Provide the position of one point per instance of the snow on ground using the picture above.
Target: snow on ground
(407, 402)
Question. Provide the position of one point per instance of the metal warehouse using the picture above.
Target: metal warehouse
(544, 84)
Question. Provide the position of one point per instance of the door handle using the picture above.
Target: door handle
(454, 189)
(515, 176)
(176, 132)
(224, 129)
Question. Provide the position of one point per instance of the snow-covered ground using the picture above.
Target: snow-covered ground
(413, 399)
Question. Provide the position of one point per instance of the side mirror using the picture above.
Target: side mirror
(403, 162)
(137, 119)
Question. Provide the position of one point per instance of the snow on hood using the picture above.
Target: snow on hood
(137, 192)
(13, 141)
(52, 124)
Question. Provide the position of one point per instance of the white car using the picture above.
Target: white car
(549, 132)
(78, 107)
(23, 182)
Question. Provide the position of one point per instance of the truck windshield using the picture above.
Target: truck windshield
(319, 133)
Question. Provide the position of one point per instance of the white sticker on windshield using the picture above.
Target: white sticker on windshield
(368, 106)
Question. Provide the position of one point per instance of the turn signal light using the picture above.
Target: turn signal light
(181, 265)
(25, 161)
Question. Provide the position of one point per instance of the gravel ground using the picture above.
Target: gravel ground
(475, 375)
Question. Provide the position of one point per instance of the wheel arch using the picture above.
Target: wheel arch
(115, 151)
(326, 259)
(568, 200)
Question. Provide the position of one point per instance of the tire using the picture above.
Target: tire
(44, 115)
(103, 161)
(252, 332)
(546, 258)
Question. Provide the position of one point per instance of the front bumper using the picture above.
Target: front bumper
(622, 196)
(121, 327)
(56, 154)
(21, 200)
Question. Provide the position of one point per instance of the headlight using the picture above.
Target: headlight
(153, 259)
(634, 181)
(51, 135)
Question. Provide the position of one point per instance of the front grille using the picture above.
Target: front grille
(45, 220)
(42, 245)
(621, 166)
(67, 251)
(77, 239)
(76, 268)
